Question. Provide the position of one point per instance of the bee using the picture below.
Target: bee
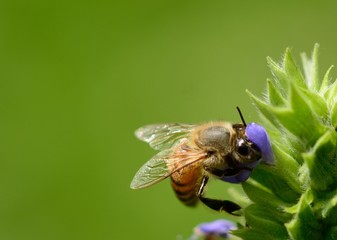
(190, 154)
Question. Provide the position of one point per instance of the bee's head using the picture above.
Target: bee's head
(258, 136)
(244, 150)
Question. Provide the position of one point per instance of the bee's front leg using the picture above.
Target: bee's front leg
(218, 205)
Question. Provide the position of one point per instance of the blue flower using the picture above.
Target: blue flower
(213, 230)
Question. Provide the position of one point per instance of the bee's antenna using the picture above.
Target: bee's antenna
(243, 121)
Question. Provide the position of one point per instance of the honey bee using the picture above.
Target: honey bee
(190, 154)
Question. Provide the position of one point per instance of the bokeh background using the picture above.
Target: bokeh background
(78, 77)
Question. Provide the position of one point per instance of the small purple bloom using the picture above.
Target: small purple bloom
(217, 228)
(258, 135)
(242, 175)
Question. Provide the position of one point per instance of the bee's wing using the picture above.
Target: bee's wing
(163, 136)
(164, 164)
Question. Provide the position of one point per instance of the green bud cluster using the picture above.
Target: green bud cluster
(296, 198)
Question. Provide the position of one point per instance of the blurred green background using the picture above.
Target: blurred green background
(77, 78)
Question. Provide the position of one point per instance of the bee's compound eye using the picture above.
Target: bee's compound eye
(242, 148)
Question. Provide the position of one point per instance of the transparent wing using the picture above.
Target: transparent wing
(163, 136)
(164, 164)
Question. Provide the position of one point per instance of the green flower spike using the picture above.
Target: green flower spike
(296, 198)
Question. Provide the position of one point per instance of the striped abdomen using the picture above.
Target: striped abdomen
(186, 183)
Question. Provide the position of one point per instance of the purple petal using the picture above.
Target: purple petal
(242, 176)
(218, 227)
(258, 135)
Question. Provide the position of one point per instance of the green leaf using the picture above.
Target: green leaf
(261, 194)
(333, 116)
(330, 94)
(327, 202)
(325, 81)
(287, 168)
(275, 98)
(266, 220)
(321, 162)
(310, 66)
(264, 109)
(304, 225)
(251, 234)
(332, 234)
(280, 77)
(317, 104)
(304, 123)
(294, 76)
(303, 176)
(284, 139)
(265, 175)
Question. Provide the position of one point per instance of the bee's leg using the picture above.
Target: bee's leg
(218, 205)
